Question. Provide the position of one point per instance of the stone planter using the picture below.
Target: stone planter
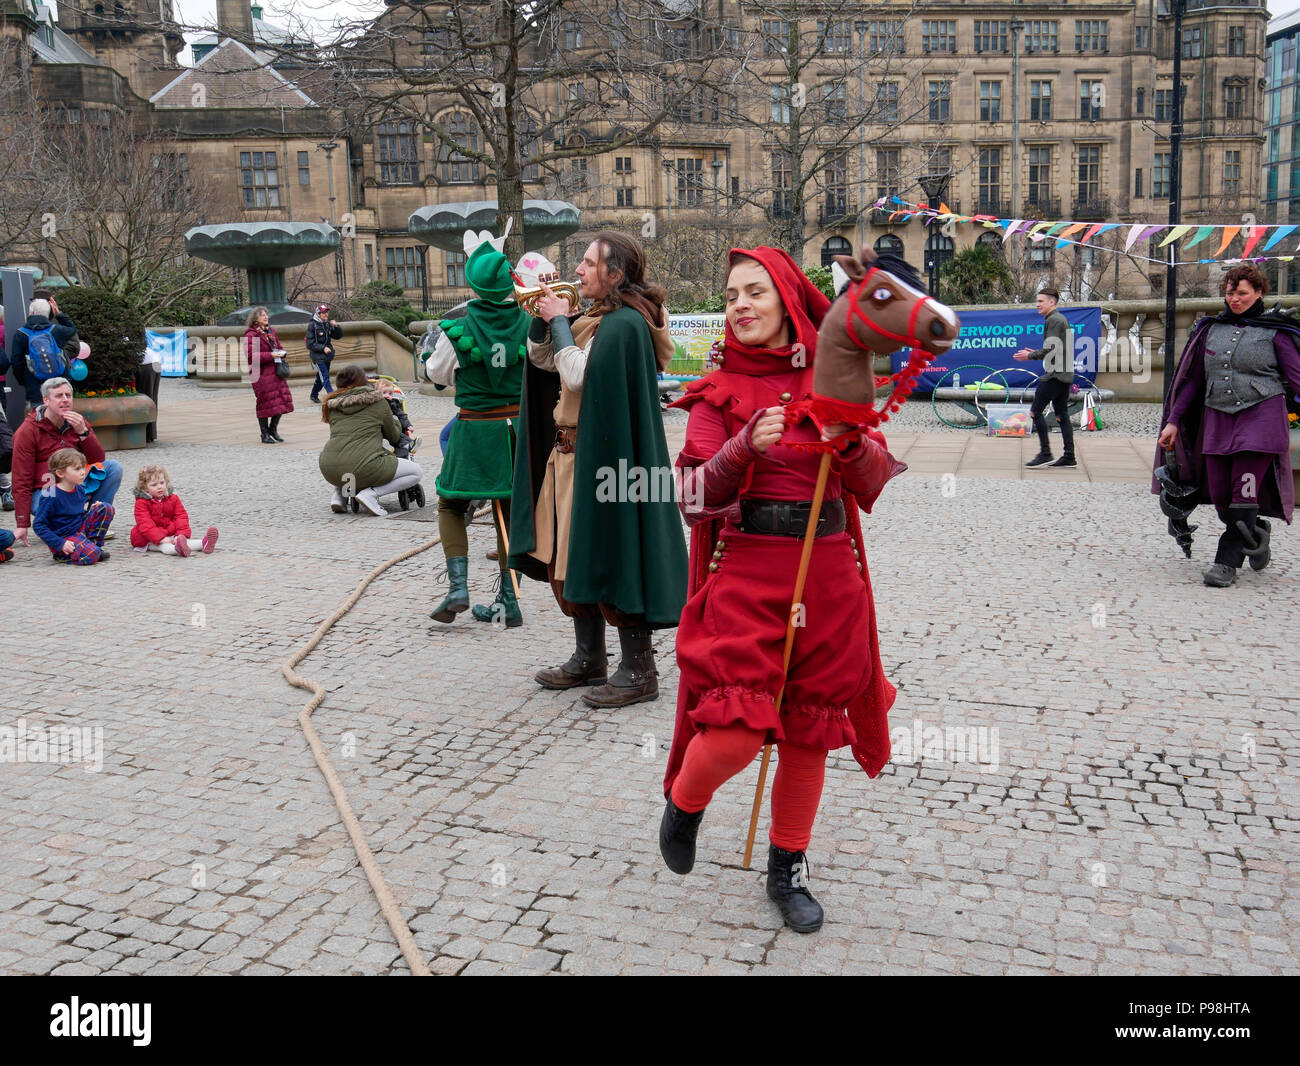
(119, 421)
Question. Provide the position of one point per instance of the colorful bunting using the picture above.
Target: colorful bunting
(1228, 233)
(1282, 231)
(1067, 231)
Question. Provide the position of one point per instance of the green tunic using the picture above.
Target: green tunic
(626, 546)
(480, 461)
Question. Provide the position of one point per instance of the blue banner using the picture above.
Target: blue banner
(168, 349)
(989, 339)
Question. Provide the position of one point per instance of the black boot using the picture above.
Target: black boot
(274, 430)
(787, 886)
(677, 832)
(587, 664)
(636, 680)
(264, 425)
(1254, 534)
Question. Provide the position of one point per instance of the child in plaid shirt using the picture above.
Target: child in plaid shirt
(73, 532)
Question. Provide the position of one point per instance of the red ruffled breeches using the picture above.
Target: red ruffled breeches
(732, 634)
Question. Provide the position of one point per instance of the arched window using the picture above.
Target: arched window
(835, 246)
(889, 244)
(465, 132)
(398, 147)
(938, 250)
(991, 241)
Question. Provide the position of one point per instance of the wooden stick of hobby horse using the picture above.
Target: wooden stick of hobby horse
(810, 534)
(505, 543)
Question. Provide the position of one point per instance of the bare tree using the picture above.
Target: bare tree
(119, 204)
(23, 126)
(507, 91)
(828, 98)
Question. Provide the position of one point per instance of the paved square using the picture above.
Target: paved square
(1116, 791)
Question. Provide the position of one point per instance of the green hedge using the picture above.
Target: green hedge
(113, 329)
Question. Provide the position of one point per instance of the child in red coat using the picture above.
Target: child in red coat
(161, 523)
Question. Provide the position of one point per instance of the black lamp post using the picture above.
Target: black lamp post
(423, 249)
(934, 186)
(1175, 193)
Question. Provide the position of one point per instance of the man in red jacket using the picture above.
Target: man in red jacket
(54, 425)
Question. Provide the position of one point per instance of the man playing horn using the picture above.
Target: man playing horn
(591, 445)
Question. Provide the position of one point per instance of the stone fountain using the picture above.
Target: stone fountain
(265, 250)
(444, 225)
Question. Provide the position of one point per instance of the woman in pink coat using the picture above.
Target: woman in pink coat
(273, 396)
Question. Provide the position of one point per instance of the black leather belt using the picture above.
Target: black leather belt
(789, 518)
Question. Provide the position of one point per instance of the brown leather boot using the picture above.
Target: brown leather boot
(587, 664)
(636, 680)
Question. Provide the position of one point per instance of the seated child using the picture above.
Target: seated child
(161, 523)
(73, 532)
(406, 448)
(6, 545)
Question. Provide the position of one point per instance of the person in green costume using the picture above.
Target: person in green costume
(483, 355)
(594, 510)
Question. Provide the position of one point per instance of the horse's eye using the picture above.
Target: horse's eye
(882, 295)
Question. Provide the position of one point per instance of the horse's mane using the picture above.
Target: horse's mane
(901, 269)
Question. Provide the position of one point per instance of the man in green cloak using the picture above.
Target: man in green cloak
(593, 510)
(483, 355)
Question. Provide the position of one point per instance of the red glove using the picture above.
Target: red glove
(712, 489)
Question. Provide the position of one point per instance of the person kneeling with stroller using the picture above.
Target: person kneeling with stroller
(354, 460)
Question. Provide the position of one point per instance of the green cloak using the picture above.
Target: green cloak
(626, 546)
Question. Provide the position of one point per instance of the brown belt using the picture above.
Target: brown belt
(497, 414)
(566, 439)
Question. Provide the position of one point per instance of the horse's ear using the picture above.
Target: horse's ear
(852, 267)
(868, 255)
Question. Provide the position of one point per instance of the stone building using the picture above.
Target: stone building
(1052, 110)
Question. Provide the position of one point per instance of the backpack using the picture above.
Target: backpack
(44, 356)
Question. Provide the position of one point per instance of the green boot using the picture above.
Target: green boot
(505, 608)
(457, 598)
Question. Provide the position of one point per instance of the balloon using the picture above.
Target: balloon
(78, 370)
(84, 352)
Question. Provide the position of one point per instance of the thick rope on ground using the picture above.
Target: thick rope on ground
(387, 904)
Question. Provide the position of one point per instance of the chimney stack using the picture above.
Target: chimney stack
(235, 19)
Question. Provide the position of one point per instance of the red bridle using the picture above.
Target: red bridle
(854, 311)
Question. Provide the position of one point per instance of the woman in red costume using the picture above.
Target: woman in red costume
(747, 495)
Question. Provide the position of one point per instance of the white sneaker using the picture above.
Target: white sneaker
(337, 503)
(368, 500)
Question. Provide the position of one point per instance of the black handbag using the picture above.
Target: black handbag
(281, 368)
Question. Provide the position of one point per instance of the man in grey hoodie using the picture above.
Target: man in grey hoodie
(1057, 354)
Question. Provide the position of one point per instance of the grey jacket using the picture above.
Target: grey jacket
(1057, 352)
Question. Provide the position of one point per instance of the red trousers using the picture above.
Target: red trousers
(720, 752)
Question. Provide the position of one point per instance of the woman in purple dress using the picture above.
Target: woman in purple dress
(1225, 418)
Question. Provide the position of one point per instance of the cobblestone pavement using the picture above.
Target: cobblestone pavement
(1131, 805)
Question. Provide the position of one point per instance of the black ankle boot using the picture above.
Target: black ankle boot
(586, 666)
(677, 832)
(787, 886)
(264, 425)
(636, 680)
